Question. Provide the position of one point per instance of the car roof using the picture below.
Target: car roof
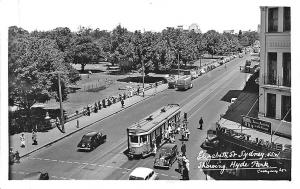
(168, 145)
(91, 133)
(141, 172)
(33, 176)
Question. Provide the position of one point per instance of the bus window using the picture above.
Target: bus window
(134, 139)
(143, 138)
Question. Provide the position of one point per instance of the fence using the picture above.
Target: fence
(113, 100)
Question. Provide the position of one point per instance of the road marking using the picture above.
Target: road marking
(53, 160)
(94, 164)
(47, 159)
(69, 162)
(76, 162)
(164, 174)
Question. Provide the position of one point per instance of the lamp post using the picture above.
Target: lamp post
(178, 64)
(60, 100)
(143, 78)
(62, 120)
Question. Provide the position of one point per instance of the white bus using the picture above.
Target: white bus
(141, 136)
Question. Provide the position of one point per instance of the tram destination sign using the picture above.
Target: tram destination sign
(256, 124)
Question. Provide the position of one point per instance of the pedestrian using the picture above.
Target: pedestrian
(138, 90)
(154, 148)
(183, 148)
(34, 138)
(99, 105)
(17, 157)
(95, 107)
(88, 110)
(57, 121)
(185, 116)
(122, 103)
(156, 85)
(201, 123)
(11, 156)
(22, 139)
(185, 172)
(103, 103)
(180, 162)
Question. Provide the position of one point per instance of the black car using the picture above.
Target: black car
(211, 141)
(91, 140)
(166, 156)
(37, 176)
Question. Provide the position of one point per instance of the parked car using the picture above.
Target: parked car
(166, 156)
(37, 176)
(194, 74)
(91, 140)
(143, 173)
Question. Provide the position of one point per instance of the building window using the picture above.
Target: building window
(287, 19)
(272, 68)
(286, 65)
(273, 20)
(286, 111)
(271, 105)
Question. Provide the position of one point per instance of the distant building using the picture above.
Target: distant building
(180, 27)
(275, 68)
(229, 31)
(194, 27)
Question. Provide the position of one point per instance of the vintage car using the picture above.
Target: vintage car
(166, 156)
(143, 173)
(37, 176)
(91, 140)
(211, 140)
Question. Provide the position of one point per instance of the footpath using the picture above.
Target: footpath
(51, 136)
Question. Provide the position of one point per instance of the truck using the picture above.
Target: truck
(184, 83)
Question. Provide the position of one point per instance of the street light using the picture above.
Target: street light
(60, 100)
(178, 64)
(143, 78)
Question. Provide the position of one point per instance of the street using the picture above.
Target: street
(108, 161)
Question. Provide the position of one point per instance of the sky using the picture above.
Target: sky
(149, 15)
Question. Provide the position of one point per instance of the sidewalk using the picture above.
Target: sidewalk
(54, 135)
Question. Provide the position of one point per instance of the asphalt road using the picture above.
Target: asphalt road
(62, 160)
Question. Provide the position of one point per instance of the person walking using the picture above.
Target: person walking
(156, 85)
(186, 167)
(34, 138)
(154, 148)
(200, 123)
(183, 149)
(22, 139)
(138, 90)
(180, 162)
(17, 157)
(122, 103)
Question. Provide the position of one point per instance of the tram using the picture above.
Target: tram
(149, 132)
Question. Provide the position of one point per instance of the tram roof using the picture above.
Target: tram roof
(146, 124)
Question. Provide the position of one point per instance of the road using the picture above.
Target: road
(62, 160)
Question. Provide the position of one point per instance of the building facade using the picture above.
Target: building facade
(275, 68)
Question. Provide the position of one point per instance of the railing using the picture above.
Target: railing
(270, 79)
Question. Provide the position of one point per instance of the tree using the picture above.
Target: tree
(84, 51)
(32, 70)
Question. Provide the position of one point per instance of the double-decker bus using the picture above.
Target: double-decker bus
(143, 134)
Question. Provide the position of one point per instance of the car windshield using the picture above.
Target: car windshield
(135, 178)
(86, 138)
(164, 152)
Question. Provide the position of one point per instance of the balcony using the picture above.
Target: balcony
(276, 81)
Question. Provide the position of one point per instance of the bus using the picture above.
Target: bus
(142, 135)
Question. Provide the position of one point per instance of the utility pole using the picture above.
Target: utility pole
(178, 64)
(60, 105)
(143, 78)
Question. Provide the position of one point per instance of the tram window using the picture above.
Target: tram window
(144, 138)
(134, 139)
